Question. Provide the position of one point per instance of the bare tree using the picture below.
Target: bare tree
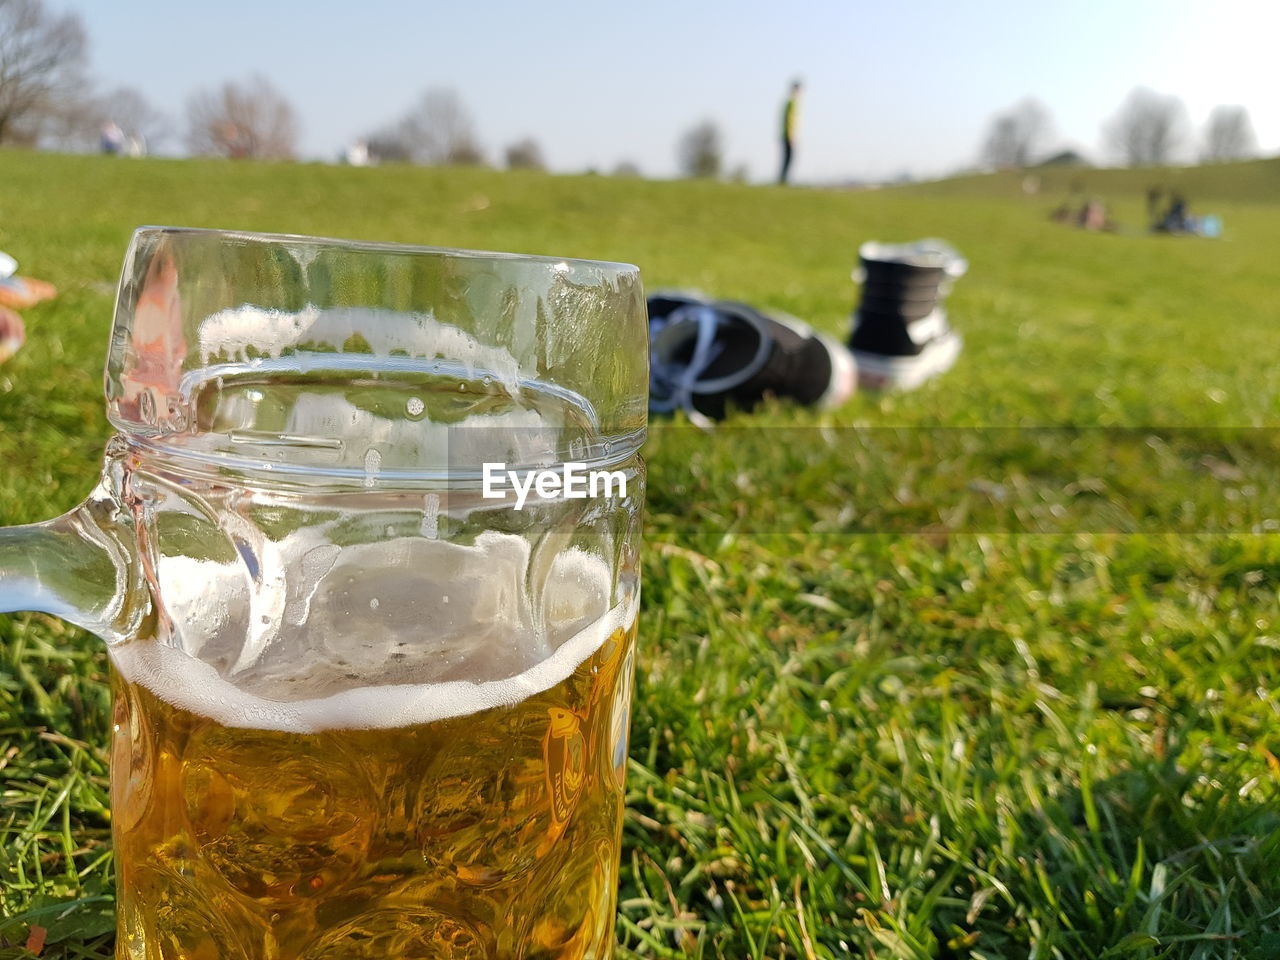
(1148, 128)
(438, 129)
(251, 119)
(700, 151)
(72, 123)
(626, 168)
(1016, 136)
(1228, 135)
(525, 155)
(42, 58)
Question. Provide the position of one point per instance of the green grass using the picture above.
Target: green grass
(972, 742)
(1207, 187)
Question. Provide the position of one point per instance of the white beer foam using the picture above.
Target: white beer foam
(241, 333)
(306, 614)
(189, 684)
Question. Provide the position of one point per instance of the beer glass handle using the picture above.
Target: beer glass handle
(76, 567)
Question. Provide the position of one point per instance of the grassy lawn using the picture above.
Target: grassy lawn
(863, 727)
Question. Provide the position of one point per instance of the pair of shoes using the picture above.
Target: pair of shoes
(707, 355)
(900, 336)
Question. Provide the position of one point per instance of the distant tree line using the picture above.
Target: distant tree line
(1149, 129)
(47, 100)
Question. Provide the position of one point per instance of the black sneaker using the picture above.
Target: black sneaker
(709, 355)
(900, 335)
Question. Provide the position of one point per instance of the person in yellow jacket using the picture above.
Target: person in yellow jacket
(789, 120)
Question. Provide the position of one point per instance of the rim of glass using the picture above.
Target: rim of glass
(380, 246)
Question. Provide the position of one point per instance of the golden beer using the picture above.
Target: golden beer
(369, 703)
(489, 835)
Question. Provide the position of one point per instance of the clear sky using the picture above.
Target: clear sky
(890, 87)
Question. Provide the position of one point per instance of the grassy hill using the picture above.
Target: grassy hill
(1251, 182)
(880, 709)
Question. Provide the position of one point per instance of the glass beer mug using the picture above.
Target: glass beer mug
(364, 555)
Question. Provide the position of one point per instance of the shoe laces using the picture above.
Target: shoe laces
(671, 383)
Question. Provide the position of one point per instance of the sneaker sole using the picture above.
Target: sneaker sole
(844, 374)
(879, 372)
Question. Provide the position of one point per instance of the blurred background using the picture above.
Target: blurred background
(890, 92)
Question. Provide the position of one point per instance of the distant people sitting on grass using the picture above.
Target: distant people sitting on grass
(1090, 215)
(1093, 216)
(1178, 220)
(1154, 195)
(1175, 218)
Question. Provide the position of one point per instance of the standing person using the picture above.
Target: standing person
(789, 112)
